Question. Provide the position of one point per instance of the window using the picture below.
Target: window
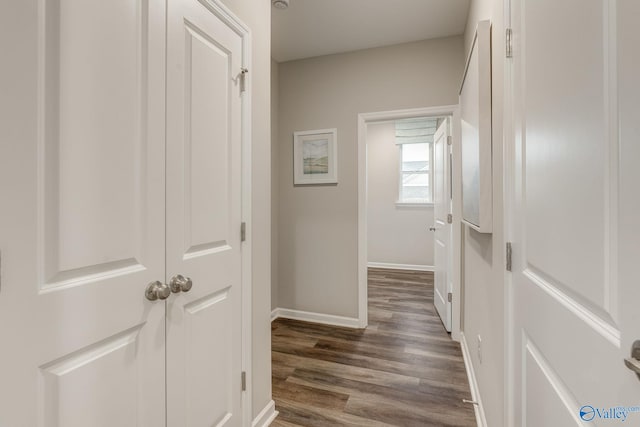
(414, 138)
(415, 173)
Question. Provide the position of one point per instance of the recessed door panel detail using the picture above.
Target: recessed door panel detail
(95, 386)
(92, 123)
(549, 394)
(207, 140)
(571, 150)
(209, 364)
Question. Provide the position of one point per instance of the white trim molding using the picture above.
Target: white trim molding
(218, 8)
(307, 316)
(481, 419)
(428, 205)
(392, 266)
(266, 416)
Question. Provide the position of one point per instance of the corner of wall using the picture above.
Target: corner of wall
(484, 279)
(275, 202)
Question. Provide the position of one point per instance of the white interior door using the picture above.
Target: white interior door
(576, 238)
(204, 216)
(442, 228)
(82, 218)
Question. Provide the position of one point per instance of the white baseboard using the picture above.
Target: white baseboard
(391, 266)
(307, 316)
(266, 416)
(473, 383)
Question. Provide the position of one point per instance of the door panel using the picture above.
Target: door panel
(69, 383)
(207, 184)
(210, 391)
(83, 168)
(567, 155)
(442, 233)
(90, 226)
(571, 328)
(203, 216)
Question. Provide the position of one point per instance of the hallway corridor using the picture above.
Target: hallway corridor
(402, 370)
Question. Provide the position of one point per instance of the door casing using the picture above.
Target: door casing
(363, 120)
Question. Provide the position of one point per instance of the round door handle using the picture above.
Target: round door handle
(633, 362)
(179, 283)
(157, 291)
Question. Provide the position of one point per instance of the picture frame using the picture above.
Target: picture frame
(476, 144)
(315, 157)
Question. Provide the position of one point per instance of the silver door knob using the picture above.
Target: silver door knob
(157, 291)
(633, 362)
(179, 283)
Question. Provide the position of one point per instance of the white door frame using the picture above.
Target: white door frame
(246, 259)
(508, 188)
(229, 18)
(363, 120)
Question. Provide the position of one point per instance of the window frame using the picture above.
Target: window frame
(399, 200)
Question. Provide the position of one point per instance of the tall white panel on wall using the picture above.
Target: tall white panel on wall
(475, 114)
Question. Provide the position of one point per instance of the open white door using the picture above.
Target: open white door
(441, 222)
(576, 240)
(204, 141)
(82, 218)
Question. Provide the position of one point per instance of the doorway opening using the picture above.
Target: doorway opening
(404, 206)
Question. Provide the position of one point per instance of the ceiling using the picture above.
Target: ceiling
(321, 27)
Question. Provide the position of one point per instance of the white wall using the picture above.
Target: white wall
(484, 265)
(396, 234)
(257, 15)
(317, 226)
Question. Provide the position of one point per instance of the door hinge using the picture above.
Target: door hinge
(509, 256)
(449, 140)
(449, 297)
(243, 379)
(243, 74)
(509, 43)
(449, 219)
(243, 231)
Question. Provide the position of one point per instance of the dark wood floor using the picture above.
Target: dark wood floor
(402, 370)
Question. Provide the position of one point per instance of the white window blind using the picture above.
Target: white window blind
(414, 138)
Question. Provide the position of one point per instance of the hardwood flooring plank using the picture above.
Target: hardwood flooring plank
(424, 395)
(279, 422)
(402, 370)
(315, 397)
(405, 415)
(394, 354)
(349, 372)
(308, 416)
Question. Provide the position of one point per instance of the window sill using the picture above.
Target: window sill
(414, 205)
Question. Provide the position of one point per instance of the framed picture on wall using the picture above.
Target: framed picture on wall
(315, 157)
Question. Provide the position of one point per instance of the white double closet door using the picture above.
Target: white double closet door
(120, 166)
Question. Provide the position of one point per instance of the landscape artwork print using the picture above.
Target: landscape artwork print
(315, 157)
